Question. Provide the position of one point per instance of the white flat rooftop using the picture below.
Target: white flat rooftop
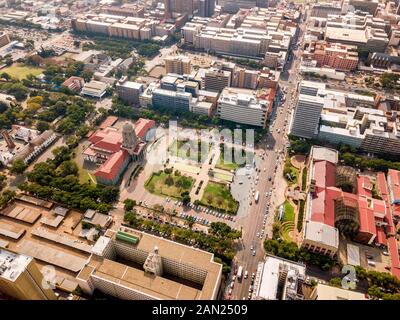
(12, 264)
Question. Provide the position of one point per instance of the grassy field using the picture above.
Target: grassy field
(85, 176)
(158, 184)
(287, 222)
(21, 71)
(289, 212)
(218, 196)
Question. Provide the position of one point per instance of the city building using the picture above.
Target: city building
(319, 231)
(74, 83)
(4, 39)
(21, 279)
(203, 108)
(306, 116)
(216, 80)
(206, 8)
(242, 106)
(7, 99)
(369, 6)
(244, 78)
(172, 100)
(334, 55)
(233, 6)
(35, 147)
(135, 28)
(345, 117)
(356, 213)
(323, 10)
(113, 150)
(178, 65)
(94, 89)
(129, 91)
(244, 35)
(370, 39)
(328, 73)
(127, 10)
(23, 133)
(133, 265)
(279, 279)
(327, 292)
(182, 6)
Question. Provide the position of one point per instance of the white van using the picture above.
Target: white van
(246, 274)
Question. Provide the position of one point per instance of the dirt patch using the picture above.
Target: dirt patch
(297, 161)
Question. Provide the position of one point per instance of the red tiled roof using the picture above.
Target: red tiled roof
(364, 186)
(382, 186)
(394, 256)
(324, 173)
(108, 122)
(366, 215)
(111, 167)
(108, 139)
(74, 83)
(142, 126)
(379, 207)
(394, 181)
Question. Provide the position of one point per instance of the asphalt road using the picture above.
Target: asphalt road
(254, 223)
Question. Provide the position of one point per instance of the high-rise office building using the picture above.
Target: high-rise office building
(182, 6)
(21, 279)
(129, 91)
(206, 8)
(167, 9)
(242, 106)
(172, 100)
(178, 65)
(216, 80)
(306, 117)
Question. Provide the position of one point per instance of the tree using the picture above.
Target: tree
(129, 204)
(336, 282)
(42, 126)
(67, 168)
(3, 106)
(148, 49)
(18, 167)
(169, 181)
(3, 180)
(87, 75)
(185, 198)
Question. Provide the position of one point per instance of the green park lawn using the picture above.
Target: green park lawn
(85, 176)
(287, 221)
(289, 212)
(218, 196)
(158, 184)
(21, 71)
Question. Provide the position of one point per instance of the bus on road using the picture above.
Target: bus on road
(239, 273)
(256, 196)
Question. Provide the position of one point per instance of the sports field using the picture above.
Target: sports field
(21, 71)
